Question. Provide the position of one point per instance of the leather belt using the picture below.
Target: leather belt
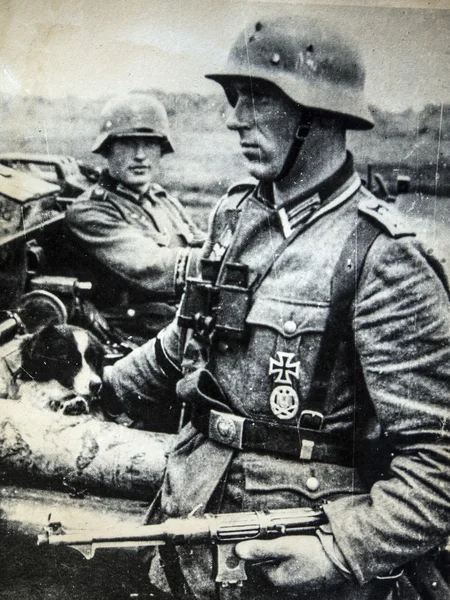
(243, 433)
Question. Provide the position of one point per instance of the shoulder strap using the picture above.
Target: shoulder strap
(344, 286)
(385, 215)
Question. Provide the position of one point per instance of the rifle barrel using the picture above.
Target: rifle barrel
(220, 528)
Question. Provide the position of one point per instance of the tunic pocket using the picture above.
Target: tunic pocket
(283, 342)
(271, 479)
(289, 318)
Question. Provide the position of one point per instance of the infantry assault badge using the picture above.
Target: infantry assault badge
(284, 402)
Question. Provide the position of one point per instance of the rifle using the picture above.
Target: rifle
(223, 530)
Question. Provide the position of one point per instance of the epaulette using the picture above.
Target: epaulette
(98, 193)
(383, 213)
(238, 191)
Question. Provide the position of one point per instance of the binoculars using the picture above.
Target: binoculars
(218, 302)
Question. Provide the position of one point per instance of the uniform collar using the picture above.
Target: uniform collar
(111, 184)
(331, 192)
(328, 188)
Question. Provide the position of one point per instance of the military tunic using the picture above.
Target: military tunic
(396, 398)
(139, 246)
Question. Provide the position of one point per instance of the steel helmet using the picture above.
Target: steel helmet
(134, 115)
(310, 63)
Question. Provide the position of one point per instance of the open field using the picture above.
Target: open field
(430, 218)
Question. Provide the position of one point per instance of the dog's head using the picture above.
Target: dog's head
(70, 355)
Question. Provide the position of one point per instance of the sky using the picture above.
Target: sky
(92, 48)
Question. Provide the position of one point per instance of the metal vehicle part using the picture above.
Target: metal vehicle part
(60, 170)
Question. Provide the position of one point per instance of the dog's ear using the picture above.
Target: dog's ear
(35, 352)
(95, 354)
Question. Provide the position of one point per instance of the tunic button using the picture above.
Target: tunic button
(312, 483)
(223, 347)
(290, 327)
(373, 204)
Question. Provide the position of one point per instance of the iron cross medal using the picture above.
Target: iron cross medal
(284, 402)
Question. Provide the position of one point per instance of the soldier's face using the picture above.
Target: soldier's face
(266, 120)
(134, 161)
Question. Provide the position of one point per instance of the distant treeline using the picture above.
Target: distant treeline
(433, 120)
(207, 158)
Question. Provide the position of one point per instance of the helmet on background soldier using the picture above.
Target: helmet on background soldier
(133, 115)
(312, 64)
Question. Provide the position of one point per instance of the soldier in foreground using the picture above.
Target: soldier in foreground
(136, 237)
(312, 348)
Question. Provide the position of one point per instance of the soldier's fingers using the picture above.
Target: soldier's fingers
(254, 550)
(262, 550)
(265, 562)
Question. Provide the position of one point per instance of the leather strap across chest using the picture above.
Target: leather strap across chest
(345, 281)
(338, 327)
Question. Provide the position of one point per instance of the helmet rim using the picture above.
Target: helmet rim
(105, 137)
(312, 96)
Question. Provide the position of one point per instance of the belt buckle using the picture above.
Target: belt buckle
(226, 429)
(310, 419)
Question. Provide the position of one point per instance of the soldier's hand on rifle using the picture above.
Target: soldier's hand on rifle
(294, 561)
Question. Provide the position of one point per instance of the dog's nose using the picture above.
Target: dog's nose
(94, 386)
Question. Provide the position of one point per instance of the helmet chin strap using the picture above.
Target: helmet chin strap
(302, 132)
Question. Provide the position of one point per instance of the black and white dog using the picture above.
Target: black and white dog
(61, 368)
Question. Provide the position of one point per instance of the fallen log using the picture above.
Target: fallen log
(77, 453)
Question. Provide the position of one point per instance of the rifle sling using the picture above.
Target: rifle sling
(170, 562)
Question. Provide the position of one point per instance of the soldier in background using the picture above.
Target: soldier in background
(305, 389)
(135, 237)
